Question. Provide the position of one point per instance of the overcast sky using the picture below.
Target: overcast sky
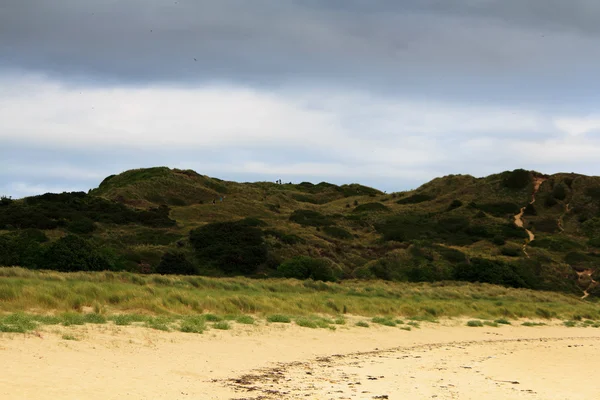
(388, 93)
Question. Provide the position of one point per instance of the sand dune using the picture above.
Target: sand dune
(443, 361)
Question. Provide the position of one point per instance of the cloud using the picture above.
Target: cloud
(579, 125)
(493, 51)
(78, 134)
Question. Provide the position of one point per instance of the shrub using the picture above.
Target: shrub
(559, 192)
(222, 325)
(337, 232)
(517, 179)
(455, 204)
(310, 218)
(73, 253)
(304, 267)
(511, 251)
(233, 247)
(415, 199)
(530, 210)
(371, 207)
(499, 209)
(284, 319)
(493, 271)
(475, 323)
(550, 202)
(498, 240)
(175, 262)
(384, 321)
(362, 324)
(81, 226)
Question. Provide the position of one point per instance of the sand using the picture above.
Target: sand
(280, 361)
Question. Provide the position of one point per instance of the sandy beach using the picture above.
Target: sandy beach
(281, 361)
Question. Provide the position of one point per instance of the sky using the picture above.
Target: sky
(387, 93)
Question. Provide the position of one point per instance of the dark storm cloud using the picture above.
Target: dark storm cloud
(432, 47)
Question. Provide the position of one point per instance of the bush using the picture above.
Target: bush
(530, 210)
(233, 247)
(337, 232)
(310, 218)
(284, 319)
(559, 192)
(492, 271)
(73, 253)
(511, 251)
(455, 204)
(500, 209)
(475, 323)
(550, 202)
(304, 267)
(415, 199)
(517, 179)
(173, 262)
(81, 226)
(371, 207)
(499, 240)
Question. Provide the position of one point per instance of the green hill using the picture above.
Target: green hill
(455, 227)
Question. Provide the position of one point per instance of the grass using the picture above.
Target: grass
(69, 337)
(529, 323)
(475, 323)
(188, 303)
(222, 325)
(279, 318)
(245, 319)
(362, 324)
(126, 293)
(387, 321)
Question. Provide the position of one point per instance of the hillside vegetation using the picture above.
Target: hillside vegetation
(457, 227)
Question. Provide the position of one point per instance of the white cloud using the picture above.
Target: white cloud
(578, 126)
(344, 135)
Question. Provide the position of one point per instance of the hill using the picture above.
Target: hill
(518, 228)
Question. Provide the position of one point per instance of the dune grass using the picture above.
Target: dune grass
(29, 298)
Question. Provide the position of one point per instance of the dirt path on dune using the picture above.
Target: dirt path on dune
(586, 275)
(537, 182)
(562, 218)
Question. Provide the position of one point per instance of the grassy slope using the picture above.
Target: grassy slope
(190, 197)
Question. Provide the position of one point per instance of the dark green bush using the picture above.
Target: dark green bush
(559, 192)
(493, 271)
(233, 247)
(284, 237)
(337, 232)
(517, 179)
(304, 267)
(451, 255)
(49, 211)
(500, 209)
(371, 207)
(550, 201)
(593, 192)
(498, 240)
(556, 243)
(455, 204)
(415, 199)
(73, 253)
(310, 218)
(530, 210)
(547, 225)
(173, 262)
(511, 251)
(5, 201)
(81, 226)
